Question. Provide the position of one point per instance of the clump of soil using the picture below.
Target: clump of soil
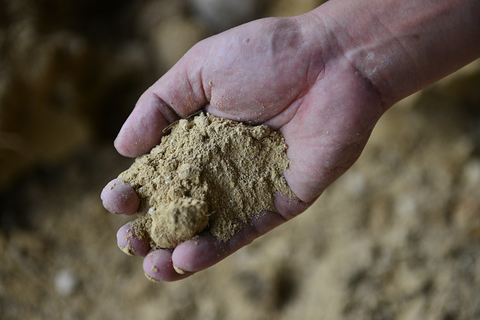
(208, 173)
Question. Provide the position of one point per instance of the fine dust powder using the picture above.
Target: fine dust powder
(208, 174)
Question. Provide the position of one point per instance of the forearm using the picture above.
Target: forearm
(402, 46)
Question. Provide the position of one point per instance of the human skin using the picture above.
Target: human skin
(323, 79)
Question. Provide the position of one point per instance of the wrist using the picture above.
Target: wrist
(400, 46)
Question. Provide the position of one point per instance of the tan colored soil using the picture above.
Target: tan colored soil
(207, 173)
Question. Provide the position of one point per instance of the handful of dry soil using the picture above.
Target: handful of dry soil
(207, 174)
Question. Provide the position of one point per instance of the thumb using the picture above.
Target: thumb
(175, 95)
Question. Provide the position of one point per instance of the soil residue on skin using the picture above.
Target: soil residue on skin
(208, 174)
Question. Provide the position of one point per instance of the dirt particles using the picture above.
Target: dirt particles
(208, 173)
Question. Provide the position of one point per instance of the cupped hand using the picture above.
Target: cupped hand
(286, 73)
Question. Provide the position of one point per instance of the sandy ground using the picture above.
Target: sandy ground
(397, 237)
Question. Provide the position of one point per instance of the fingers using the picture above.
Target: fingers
(158, 266)
(193, 255)
(201, 253)
(119, 197)
(198, 254)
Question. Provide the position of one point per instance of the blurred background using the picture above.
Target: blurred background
(397, 237)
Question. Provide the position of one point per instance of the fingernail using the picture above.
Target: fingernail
(129, 243)
(178, 270)
(128, 250)
(149, 277)
(125, 244)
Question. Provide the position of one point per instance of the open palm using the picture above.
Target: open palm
(271, 71)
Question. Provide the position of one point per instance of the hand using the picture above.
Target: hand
(274, 71)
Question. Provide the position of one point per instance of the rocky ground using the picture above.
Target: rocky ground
(397, 237)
